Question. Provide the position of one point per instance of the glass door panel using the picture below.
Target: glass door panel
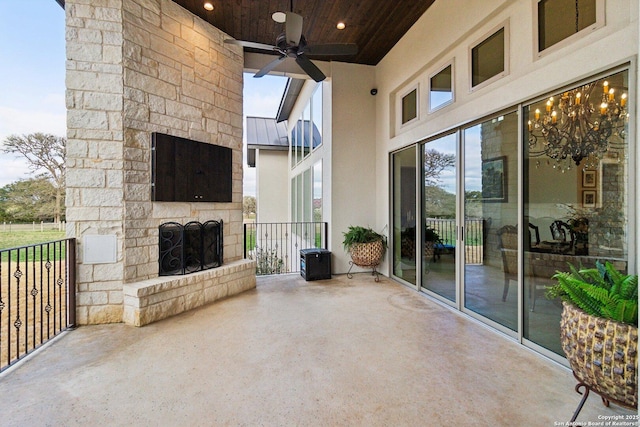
(491, 219)
(404, 214)
(575, 196)
(438, 160)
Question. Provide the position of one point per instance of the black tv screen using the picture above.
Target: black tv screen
(184, 170)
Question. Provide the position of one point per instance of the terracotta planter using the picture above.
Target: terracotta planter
(367, 254)
(602, 353)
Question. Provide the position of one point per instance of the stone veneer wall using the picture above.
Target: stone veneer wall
(136, 67)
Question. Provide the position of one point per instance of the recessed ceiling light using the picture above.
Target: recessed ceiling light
(340, 26)
(279, 17)
(208, 5)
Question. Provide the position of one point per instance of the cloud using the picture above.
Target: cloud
(26, 121)
(261, 105)
(12, 169)
(14, 121)
(249, 181)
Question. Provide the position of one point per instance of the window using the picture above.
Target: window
(317, 191)
(316, 115)
(299, 140)
(306, 138)
(299, 198)
(410, 106)
(293, 145)
(307, 133)
(560, 19)
(488, 58)
(306, 194)
(441, 88)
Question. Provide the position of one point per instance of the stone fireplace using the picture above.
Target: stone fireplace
(189, 248)
(135, 67)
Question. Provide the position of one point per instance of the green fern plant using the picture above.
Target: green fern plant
(602, 291)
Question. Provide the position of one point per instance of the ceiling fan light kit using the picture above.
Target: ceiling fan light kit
(279, 17)
(292, 44)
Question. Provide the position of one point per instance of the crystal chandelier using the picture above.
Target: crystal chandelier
(572, 128)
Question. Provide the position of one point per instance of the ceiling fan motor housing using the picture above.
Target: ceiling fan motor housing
(292, 51)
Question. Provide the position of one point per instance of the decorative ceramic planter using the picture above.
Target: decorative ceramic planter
(602, 354)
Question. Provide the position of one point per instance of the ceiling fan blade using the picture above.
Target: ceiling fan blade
(293, 28)
(332, 49)
(270, 66)
(252, 45)
(310, 68)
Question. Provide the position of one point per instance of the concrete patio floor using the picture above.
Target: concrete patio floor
(336, 352)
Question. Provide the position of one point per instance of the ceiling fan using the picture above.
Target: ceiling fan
(293, 44)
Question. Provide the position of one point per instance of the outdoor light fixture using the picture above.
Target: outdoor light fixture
(279, 17)
(340, 26)
(572, 128)
(208, 5)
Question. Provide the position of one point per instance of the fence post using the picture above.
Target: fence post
(244, 250)
(71, 278)
(326, 234)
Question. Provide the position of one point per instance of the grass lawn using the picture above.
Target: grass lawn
(16, 239)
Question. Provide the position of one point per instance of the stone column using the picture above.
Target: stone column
(95, 135)
(136, 67)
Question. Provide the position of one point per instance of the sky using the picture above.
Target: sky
(32, 75)
(32, 64)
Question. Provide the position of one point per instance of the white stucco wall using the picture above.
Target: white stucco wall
(272, 185)
(362, 127)
(447, 31)
(353, 168)
(347, 152)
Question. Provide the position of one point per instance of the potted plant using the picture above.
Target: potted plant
(599, 331)
(431, 237)
(365, 246)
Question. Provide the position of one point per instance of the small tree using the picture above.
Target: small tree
(28, 200)
(248, 205)
(44, 153)
(435, 163)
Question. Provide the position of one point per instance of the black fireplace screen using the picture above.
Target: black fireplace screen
(190, 247)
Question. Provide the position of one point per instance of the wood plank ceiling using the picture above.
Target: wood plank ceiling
(375, 26)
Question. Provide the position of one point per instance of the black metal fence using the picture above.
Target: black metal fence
(37, 296)
(275, 246)
(474, 236)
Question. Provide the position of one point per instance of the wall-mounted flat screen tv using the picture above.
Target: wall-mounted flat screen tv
(183, 170)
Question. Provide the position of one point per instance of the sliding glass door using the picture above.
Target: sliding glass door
(505, 202)
(439, 229)
(491, 219)
(575, 206)
(404, 215)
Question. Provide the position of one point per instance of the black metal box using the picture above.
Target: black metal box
(315, 264)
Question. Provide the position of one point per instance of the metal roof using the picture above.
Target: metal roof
(291, 92)
(265, 134)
